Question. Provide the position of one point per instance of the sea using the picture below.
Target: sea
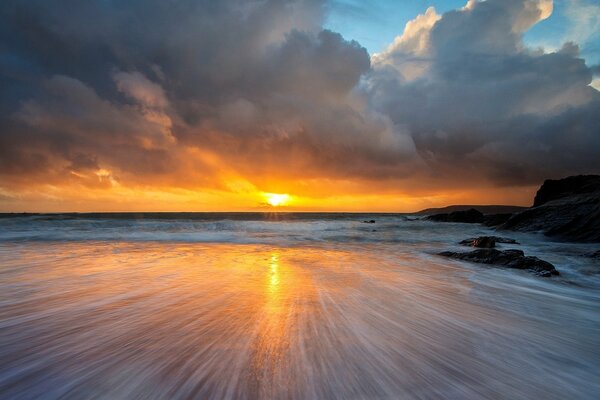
(287, 306)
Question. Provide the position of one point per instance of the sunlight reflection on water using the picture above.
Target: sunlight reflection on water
(178, 321)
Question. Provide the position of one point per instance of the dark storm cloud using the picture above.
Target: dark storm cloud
(480, 102)
(122, 83)
(127, 89)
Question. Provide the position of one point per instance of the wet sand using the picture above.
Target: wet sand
(149, 320)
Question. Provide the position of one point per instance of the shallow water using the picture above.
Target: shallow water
(309, 308)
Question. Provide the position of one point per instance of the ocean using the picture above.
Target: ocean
(287, 306)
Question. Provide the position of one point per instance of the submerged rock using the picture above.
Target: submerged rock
(471, 216)
(507, 258)
(487, 241)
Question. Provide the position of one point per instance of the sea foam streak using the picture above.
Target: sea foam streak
(303, 308)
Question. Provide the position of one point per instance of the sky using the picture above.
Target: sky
(375, 24)
(293, 105)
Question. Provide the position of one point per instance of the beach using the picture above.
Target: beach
(292, 307)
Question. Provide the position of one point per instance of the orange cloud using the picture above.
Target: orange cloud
(202, 108)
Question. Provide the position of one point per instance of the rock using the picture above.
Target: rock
(372, 221)
(495, 219)
(507, 258)
(470, 216)
(567, 209)
(502, 239)
(484, 242)
(487, 241)
(561, 188)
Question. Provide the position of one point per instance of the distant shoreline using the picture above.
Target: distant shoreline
(204, 215)
(485, 209)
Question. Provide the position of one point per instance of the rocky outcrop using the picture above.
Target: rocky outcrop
(487, 242)
(567, 209)
(470, 216)
(572, 186)
(505, 258)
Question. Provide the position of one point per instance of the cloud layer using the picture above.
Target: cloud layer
(203, 95)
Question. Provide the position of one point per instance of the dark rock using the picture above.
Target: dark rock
(372, 221)
(495, 219)
(471, 216)
(484, 242)
(507, 258)
(568, 209)
(487, 241)
(561, 188)
(502, 239)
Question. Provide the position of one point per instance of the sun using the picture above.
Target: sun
(276, 199)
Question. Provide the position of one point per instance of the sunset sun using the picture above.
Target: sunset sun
(276, 199)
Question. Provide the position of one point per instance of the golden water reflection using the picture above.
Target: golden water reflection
(274, 280)
(196, 321)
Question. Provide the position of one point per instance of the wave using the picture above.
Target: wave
(204, 227)
(83, 320)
